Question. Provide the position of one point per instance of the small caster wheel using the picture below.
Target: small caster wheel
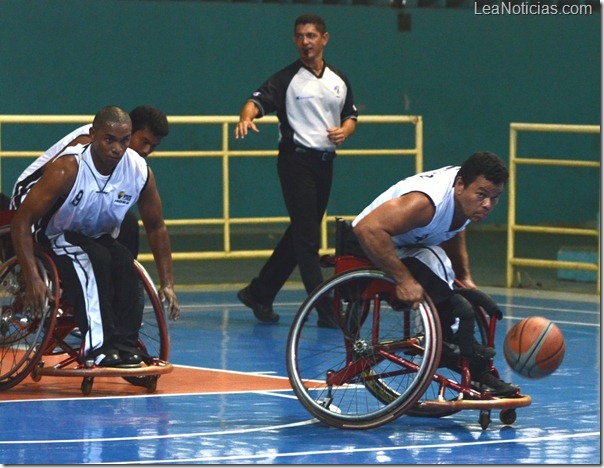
(151, 383)
(35, 374)
(507, 416)
(87, 385)
(484, 419)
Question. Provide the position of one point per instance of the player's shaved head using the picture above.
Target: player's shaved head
(111, 115)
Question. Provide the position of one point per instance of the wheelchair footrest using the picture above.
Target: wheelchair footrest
(519, 401)
(156, 368)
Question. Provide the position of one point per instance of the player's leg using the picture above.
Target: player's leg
(432, 269)
(126, 307)
(85, 270)
(129, 233)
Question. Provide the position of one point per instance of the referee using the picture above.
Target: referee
(314, 104)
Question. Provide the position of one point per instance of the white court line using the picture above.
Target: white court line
(232, 305)
(348, 451)
(236, 305)
(267, 374)
(556, 437)
(158, 437)
(552, 309)
(153, 395)
(213, 307)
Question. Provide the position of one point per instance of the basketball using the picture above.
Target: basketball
(534, 347)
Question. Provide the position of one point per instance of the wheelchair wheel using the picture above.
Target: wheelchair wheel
(23, 337)
(153, 334)
(338, 374)
(154, 338)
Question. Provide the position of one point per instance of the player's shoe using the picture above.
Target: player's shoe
(482, 351)
(497, 387)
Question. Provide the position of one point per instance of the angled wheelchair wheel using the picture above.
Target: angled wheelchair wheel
(340, 375)
(154, 338)
(153, 335)
(24, 337)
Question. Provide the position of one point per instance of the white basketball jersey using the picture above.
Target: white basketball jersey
(436, 184)
(97, 204)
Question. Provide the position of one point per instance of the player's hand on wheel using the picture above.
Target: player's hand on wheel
(408, 295)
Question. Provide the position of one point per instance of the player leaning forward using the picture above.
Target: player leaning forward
(415, 232)
(76, 209)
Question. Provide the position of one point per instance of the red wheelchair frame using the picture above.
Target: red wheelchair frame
(26, 340)
(383, 362)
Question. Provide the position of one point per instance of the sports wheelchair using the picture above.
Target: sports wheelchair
(383, 361)
(51, 344)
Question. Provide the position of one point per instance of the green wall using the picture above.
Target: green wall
(468, 75)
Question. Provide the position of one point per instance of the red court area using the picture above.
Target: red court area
(182, 380)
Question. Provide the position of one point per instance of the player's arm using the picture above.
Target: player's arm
(375, 232)
(150, 209)
(457, 251)
(248, 113)
(56, 182)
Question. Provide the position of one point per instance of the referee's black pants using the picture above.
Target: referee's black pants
(117, 286)
(306, 184)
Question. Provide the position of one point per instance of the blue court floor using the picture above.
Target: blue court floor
(268, 425)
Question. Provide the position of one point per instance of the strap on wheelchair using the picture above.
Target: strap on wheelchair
(342, 226)
(478, 298)
(346, 241)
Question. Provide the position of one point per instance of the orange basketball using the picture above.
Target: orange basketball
(534, 347)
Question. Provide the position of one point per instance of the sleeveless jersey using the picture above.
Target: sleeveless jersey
(33, 172)
(438, 186)
(97, 204)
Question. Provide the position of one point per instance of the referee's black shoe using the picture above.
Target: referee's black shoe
(263, 312)
(327, 318)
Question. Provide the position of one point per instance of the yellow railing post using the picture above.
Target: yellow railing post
(512, 208)
(419, 144)
(226, 200)
(0, 157)
(514, 228)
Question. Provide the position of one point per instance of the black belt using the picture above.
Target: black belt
(323, 155)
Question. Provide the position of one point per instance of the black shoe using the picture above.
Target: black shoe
(484, 352)
(450, 350)
(131, 359)
(264, 313)
(497, 386)
(325, 310)
(106, 357)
